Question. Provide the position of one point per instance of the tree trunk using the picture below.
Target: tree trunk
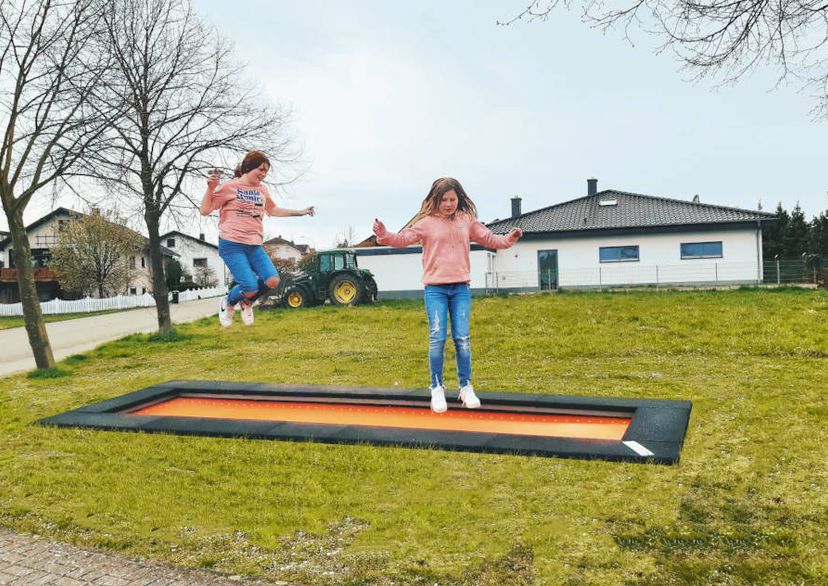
(32, 316)
(159, 284)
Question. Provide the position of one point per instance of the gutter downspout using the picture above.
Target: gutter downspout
(759, 271)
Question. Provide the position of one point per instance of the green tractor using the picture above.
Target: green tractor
(331, 274)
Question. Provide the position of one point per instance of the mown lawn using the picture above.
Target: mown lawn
(748, 503)
(7, 322)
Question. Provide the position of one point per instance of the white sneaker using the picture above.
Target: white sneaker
(226, 313)
(467, 396)
(247, 313)
(438, 399)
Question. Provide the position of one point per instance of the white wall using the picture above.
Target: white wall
(400, 275)
(659, 260)
(191, 248)
(284, 252)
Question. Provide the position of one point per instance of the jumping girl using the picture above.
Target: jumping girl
(446, 224)
(243, 201)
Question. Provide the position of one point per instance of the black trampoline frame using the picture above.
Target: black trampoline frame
(655, 434)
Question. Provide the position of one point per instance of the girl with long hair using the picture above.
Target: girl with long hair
(242, 203)
(446, 225)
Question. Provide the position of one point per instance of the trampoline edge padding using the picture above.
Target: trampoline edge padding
(655, 433)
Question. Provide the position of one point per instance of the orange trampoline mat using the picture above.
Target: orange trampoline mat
(567, 426)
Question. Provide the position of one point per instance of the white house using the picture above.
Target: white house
(605, 239)
(282, 249)
(194, 253)
(43, 234)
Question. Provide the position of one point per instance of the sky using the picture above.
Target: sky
(388, 96)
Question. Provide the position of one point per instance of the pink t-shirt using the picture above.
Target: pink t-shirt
(242, 208)
(446, 245)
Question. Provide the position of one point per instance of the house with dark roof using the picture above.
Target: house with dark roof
(199, 259)
(282, 249)
(619, 238)
(43, 235)
(608, 238)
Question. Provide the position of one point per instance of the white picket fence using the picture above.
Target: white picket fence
(89, 304)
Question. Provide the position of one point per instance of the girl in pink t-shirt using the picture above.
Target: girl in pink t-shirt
(243, 201)
(446, 225)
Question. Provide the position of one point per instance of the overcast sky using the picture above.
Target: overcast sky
(388, 96)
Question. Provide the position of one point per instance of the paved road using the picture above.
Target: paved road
(26, 560)
(78, 335)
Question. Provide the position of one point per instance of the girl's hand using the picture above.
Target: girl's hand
(213, 180)
(379, 228)
(309, 211)
(515, 234)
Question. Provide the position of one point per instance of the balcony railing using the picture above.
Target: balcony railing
(40, 274)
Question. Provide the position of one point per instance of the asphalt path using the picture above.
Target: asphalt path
(79, 335)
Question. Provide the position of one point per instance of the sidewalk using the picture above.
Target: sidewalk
(82, 334)
(27, 560)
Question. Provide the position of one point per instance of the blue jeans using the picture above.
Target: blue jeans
(454, 301)
(250, 266)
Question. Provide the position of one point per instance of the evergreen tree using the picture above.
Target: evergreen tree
(772, 234)
(818, 241)
(795, 237)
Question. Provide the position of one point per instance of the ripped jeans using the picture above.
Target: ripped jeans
(442, 301)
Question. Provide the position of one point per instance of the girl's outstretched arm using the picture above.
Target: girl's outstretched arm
(283, 212)
(207, 200)
(485, 237)
(397, 240)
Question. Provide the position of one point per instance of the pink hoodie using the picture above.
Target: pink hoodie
(446, 245)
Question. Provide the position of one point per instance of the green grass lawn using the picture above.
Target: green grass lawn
(747, 504)
(7, 322)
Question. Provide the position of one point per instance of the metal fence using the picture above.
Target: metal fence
(776, 272)
(90, 304)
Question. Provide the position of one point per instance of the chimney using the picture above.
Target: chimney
(515, 206)
(201, 235)
(592, 186)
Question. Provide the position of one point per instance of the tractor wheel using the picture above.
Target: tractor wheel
(345, 290)
(369, 294)
(296, 297)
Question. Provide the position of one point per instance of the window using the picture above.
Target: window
(199, 262)
(41, 257)
(170, 242)
(618, 253)
(143, 264)
(133, 291)
(701, 250)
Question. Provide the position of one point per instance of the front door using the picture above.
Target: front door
(547, 269)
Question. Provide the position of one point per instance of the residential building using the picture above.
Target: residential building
(609, 238)
(279, 248)
(196, 254)
(43, 235)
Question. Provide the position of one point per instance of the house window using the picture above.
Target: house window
(199, 262)
(41, 257)
(170, 242)
(143, 290)
(618, 254)
(701, 250)
(133, 291)
(143, 264)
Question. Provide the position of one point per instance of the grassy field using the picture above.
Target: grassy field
(748, 503)
(7, 322)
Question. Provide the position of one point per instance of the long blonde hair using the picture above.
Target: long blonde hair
(431, 203)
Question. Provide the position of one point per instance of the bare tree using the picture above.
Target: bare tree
(189, 107)
(47, 73)
(205, 276)
(723, 37)
(93, 253)
(346, 238)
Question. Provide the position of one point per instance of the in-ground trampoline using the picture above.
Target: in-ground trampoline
(638, 430)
